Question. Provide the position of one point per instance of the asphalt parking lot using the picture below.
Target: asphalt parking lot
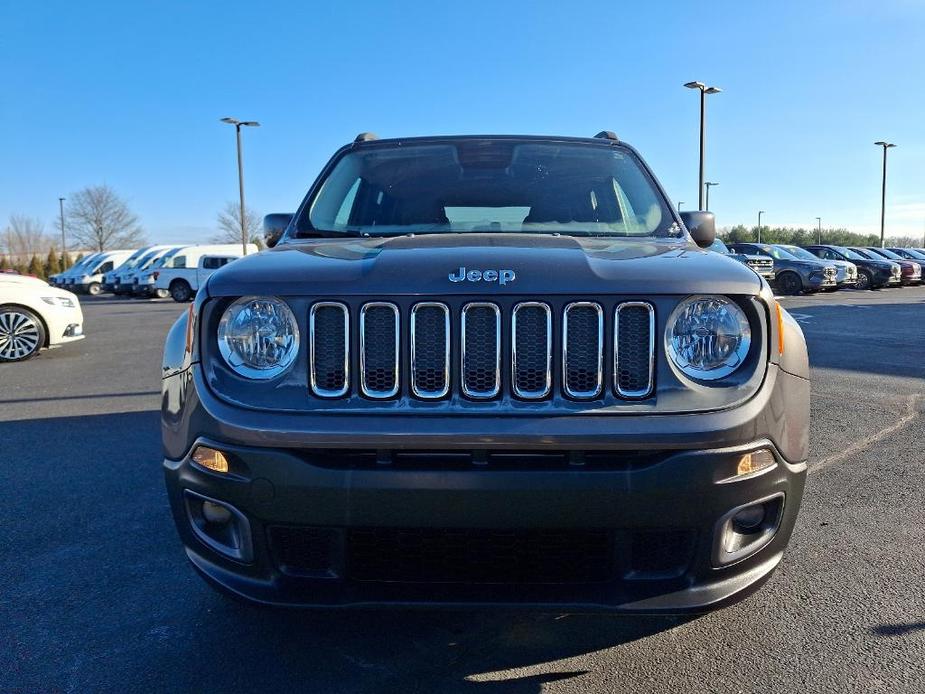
(96, 595)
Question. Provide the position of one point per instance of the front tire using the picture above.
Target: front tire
(790, 283)
(94, 289)
(161, 293)
(22, 334)
(865, 281)
(181, 291)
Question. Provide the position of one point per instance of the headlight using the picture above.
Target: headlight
(707, 337)
(58, 301)
(258, 337)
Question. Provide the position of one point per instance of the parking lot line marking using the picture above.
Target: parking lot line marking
(858, 446)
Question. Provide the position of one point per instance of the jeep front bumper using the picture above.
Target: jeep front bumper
(617, 513)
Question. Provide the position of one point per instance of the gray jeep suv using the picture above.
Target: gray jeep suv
(486, 370)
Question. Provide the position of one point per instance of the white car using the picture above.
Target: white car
(183, 274)
(35, 315)
(128, 265)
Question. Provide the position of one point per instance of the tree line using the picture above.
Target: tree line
(806, 237)
(52, 264)
(96, 218)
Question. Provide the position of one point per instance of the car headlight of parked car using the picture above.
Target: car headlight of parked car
(62, 301)
(708, 337)
(258, 337)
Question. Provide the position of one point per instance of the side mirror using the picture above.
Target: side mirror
(273, 227)
(701, 225)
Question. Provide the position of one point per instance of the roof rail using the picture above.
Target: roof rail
(607, 135)
(366, 137)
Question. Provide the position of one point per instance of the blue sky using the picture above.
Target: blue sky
(130, 94)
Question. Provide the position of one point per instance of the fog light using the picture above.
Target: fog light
(215, 513)
(748, 519)
(754, 462)
(210, 459)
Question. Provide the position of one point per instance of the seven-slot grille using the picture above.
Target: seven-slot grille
(480, 335)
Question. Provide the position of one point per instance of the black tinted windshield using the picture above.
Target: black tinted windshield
(886, 253)
(848, 253)
(801, 253)
(488, 185)
(867, 254)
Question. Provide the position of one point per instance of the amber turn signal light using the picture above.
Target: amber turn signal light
(210, 459)
(780, 328)
(755, 461)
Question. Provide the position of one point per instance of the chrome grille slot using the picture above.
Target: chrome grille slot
(531, 328)
(379, 345)
(634, 349)
(582, 349)
(430, 350)
(481, 350)
(329, 346)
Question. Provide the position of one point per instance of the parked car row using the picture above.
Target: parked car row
(153, 271)
(794, 269)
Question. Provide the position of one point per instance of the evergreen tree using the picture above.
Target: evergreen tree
(5, 263)
(52, 266)
(35, 267)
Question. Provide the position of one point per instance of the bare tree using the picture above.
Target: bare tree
(25, 237)
(229, 225)
(98, 218)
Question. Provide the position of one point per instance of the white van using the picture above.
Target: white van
(191, 265)
(60, 279)
(90, 279)
(128, 264)
(122, 279)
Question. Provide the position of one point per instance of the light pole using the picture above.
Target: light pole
(704, 90)
(707, 185)
(237, 126)
(61, 209)
(819, 232)
(760, 212)
(680, 202)
(886, 146)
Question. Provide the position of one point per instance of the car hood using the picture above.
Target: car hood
(541, 264)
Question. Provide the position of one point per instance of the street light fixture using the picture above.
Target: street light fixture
(238, 124)
(760, 212)
(819, 232)
(704, 90)
(680, 202)
(707, 185)
(886, 146)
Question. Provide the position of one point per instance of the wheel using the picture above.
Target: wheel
(94, 289)
(790, 282)
(181, 291)
(865, 281)
(22, 333)
(161, 293)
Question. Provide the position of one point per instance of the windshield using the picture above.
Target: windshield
(144, 259)
(912, 253)
(800, 253)
(132, 260)
(160, 262)
(719, 246)
(848, 253)
(488, 185)
(85, 262)
(864, 253)
(885, 252)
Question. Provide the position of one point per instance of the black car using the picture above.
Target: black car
(872, 274)
(910, 272)
(910, 255)
(486, 370)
